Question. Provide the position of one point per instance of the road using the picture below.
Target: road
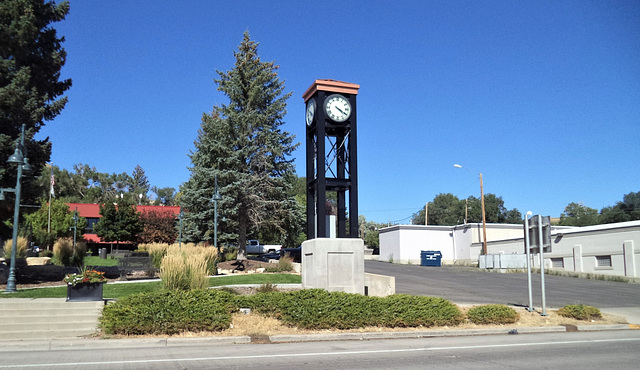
(470, 285)
(604, 350)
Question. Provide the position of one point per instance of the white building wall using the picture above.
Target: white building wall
(580, 247)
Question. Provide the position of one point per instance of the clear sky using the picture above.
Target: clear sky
(542, 97)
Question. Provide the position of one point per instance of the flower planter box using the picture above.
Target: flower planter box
(84, 292)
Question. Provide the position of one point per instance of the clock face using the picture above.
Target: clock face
(311, 111)
(337, 108)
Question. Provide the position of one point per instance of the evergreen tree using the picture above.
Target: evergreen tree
(119, 222)
(242, 144)
(139, 185)
(31, 56)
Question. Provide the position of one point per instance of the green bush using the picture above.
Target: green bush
(403, 310)
(169, 312)
(580, 312)
(493, 314)
(319, 309)
(285, 263)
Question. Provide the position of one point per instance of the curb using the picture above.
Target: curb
(92, 343)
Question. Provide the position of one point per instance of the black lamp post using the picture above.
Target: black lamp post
(75, 229)
(215, 198)
(180, 236)
(19, 157)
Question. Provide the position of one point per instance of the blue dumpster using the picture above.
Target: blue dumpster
(430, 258)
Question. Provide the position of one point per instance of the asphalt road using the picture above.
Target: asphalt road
(581, 350)
(470, 285)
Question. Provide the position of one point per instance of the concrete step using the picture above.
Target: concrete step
(48, 303)
(47, 318)
(47, 312)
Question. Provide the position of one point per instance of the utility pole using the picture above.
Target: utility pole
(484, 218)
(426, 214)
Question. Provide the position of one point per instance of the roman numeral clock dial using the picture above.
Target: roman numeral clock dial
(337, 107)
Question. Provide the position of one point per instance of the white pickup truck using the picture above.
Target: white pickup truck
(254, 247)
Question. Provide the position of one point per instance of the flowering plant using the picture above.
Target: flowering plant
(85, 276)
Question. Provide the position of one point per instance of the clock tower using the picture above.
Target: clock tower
(331, 124)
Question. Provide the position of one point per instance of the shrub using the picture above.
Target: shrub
(319, 309)
(230, 254)
(403, 310)
(21, 248)
(156, 250)
(493, 314)
(285, 263)
(63, 252)
(169, 312)
(187, 267)
(266, 288)
(580, 312)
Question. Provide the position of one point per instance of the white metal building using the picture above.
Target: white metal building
(608, 249)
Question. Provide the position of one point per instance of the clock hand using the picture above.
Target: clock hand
(340, 110)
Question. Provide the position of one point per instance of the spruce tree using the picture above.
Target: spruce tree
(31, 56)
(243, 145)
(119, 222)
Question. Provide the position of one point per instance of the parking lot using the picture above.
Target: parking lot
(470, 285)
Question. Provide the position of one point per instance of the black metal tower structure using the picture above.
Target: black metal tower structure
(331, 156)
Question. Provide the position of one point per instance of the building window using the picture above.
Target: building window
(557, 263)
(603, 261)
(91, 222)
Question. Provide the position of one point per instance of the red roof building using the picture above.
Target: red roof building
(91, 212)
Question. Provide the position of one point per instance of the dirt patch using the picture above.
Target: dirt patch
(247, 266)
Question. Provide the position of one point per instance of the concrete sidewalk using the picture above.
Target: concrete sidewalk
(94, 343)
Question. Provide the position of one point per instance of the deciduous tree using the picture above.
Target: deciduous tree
(158, 227)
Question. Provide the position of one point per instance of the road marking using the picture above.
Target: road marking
(290, 355)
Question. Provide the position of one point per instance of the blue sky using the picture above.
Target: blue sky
(542, 97)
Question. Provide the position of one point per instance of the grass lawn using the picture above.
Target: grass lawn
(97, 261)
(123, 290)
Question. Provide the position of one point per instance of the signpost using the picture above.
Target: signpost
(537, 239)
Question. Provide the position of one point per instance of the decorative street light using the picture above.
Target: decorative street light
(484, 219)
(215, 198)
(75, 229)
(19, 157)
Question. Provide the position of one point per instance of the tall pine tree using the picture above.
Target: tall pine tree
(31, 56)
(242, 144)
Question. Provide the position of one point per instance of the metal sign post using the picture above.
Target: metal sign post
(527, 248)
(537, 240)
(542, 247)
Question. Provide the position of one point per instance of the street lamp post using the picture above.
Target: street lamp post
(180, 236)
(75, 229)
(215, 198)
(20, 159)
(484, 217)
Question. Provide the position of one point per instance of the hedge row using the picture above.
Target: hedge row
(210, 310)
(169, 312)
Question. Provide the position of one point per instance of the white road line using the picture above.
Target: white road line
(290, 355)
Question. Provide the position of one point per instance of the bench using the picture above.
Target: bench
(119, 253)
(128, 265)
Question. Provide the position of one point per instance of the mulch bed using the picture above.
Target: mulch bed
(250, 265)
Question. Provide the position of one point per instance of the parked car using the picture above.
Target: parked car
(294, 253)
